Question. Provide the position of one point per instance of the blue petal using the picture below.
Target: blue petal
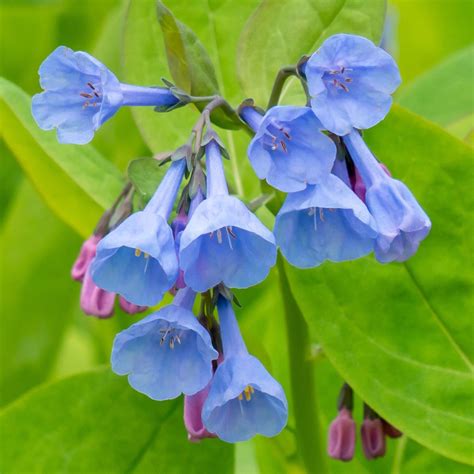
(324, 222)
(235, 420)
(160, 371)
(244, 255)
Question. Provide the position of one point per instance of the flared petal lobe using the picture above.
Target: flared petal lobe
(289, 150)
(351, 81)
(85, 257)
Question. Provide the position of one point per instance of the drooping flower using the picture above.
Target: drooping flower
(342, 436)
(138, 259)
(193, 416)
(167, 353)
(85, 257)
(373, 438)
(224, 241)
(244, 399)
(358, 185)
(401, 222)
(95, 301)
(80, 94)
(131, 308)
(326, 221)
(350, 81)
(289, 150)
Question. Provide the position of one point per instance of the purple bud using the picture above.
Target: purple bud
(84, 258)
(390, 430)
(192, 416)
(342, 436)
(179, 223)
(373, 438)
(94, 300)
(131, 308)
(358, 185)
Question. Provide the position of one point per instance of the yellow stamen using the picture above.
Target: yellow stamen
(137, 252)
(146, 255)
(241, 397)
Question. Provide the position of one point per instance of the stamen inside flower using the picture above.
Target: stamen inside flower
(230, 233)
(248, 390)
(93, 92)
(275, 136)
(172, 334)
(340, 81)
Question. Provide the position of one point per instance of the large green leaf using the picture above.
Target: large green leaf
(448, 82)
(75, 181)
(37, 292)
(94, 422)
(399, 333)
(279, 33)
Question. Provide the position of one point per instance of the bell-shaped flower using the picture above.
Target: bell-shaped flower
(131, 308)
(224, 241)
(80, 94)
(326, 221)
(401, 222)
(350, 81)
(95, 301)
(167, 353)
(342, 436)
(244, 399)
(85, 257)
(138, 259)
(289, 150)
(373, 438)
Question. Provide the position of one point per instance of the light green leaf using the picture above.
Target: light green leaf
(145, 174)
(76, 182)
(279, 33)
(443, 94)
(37, 291)
(398, 333)
(95, 422)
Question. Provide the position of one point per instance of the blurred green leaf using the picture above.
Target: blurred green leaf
(444, 94)
(75, 181)
(145, 174)
(396, 332)
(279, 33)
(37, 292)
(95, 422)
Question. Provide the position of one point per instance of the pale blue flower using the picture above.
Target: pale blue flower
(402, 224)
(350, 81)
(224, 241)
(138, 259)
(244, 399)
(167, 353)
(80, 94)
(289, 150)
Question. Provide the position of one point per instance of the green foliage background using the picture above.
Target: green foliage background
(401, 334)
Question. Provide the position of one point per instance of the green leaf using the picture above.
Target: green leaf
(443, 94)
(37, 291)
(145, 174)
(398, 333)
(95, 422)
(76, 182)
(279, 33)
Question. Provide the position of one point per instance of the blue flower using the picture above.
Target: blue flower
(167, 353)
(326, 221)
(224, 241)
(138, 259)
(80, 94)
(350, 81)
(244, 399)
(289, 150)
(402, 224)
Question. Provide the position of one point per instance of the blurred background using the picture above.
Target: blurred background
(45, 336)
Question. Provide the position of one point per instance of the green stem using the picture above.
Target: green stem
(283, 74)
(308, 428)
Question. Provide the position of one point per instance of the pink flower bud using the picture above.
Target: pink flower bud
(342, 436)
(390, 430)
(131, 308)
(94, 300)
(358, 185)
(192, 416)
(84, 258)
(373, 438)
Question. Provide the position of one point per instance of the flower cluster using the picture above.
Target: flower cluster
(342, 432)
(194, 239)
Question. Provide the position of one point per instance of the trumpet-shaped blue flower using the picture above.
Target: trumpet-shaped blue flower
(80, 94)
(244, 399)
(138, 259)
(224, 241)
(350, 81)
(289, 150)
(167, 353)
(402, 224)
(326, 221)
